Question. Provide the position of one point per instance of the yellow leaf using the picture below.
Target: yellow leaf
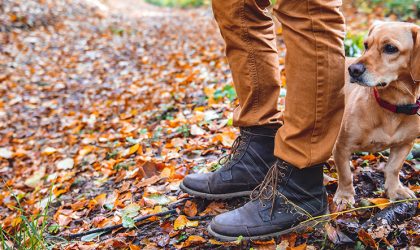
(16, 221)
(182, 222)
(48, 151)
(380, 202)
(85, 150)
(131, 150)
(166, 173)
(100, 199)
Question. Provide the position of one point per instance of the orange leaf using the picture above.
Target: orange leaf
(148, 181)
(214, 208)
(190, 208)
(367, 239)
(380, 202)
(194, 240)
(300, 247)
(369, 157)
(414, 188)
(265, 242)
(134, 247)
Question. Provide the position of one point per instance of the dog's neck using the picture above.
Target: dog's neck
(400, 92)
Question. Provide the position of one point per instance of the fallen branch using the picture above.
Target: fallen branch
(111, 228)
(392, 215)
(136, 220)
(327, 216)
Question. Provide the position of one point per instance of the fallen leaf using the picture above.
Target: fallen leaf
(6, 153)
(148, 181)
(367, 239)
(336, 236)
(182, 221)
(300, 247)
(190, 208)
(196, 130)
(130, 150)
(194, 240)
(134, 247)
(35, 179)
(380, 202)
(65, 164)
(91, 237)
(214, 208)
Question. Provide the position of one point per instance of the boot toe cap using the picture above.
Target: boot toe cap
(229, 224)
(197, 182)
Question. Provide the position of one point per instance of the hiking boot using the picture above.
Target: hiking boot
(242, 170)
(286, 201)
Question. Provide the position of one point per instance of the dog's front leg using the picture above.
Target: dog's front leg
(393, 187)
(344, 196)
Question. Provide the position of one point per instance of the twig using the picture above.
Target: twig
(202, 217)
(111, 228)
(358, 208)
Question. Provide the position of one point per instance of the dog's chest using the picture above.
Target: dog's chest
(384, 137)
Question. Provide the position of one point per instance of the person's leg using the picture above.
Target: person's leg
(313, 32)
(248, 30)
(293, 190)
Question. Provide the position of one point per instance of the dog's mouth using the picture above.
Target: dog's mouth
(356, 80)
(360, 81)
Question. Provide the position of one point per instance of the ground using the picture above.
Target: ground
(105, 107)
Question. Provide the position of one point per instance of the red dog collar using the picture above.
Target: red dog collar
(408, 109)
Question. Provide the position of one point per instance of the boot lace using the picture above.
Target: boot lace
(236, 149)
(268, 190)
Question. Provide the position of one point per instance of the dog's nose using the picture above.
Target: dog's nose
(356, 70)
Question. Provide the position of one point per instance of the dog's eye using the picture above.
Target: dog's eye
(366, 45)
(390, 49)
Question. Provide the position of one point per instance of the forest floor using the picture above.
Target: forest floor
(105, 107)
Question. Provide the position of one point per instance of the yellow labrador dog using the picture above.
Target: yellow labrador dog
(382, 106)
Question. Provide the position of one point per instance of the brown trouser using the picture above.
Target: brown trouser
(313, 32)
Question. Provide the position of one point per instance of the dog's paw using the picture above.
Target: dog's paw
(343, 199)
(400, 192)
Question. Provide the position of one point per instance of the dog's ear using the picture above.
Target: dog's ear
(415, 54)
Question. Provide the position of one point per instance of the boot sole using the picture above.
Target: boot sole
(214, 196)
(298, 228)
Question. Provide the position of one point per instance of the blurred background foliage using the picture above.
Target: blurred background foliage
(393, 10)
(179, 3)
(402, 10)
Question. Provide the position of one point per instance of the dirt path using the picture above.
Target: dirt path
(137, 9)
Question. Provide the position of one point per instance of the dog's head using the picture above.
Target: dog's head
(392, 52)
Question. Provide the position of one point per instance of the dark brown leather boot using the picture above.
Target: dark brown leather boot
(242, 170)
(287, 197)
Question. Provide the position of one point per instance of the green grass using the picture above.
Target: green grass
(178, 3)
(353, 44)
(404, 10)
(31, 233)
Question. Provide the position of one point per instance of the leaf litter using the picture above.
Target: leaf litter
(102, 115)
